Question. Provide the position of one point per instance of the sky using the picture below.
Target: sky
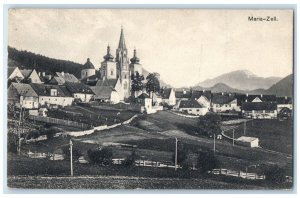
(186, 46)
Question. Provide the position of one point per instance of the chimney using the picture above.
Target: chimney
(63, 73)
(43, 74)
(247, 94)
(229, 94)
(184, 91)
(285, 97)
(203, 90)
(261, 95)
(222, 93)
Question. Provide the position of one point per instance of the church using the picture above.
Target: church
(114, 71)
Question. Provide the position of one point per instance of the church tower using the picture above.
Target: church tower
(108, 66)
(123, 65)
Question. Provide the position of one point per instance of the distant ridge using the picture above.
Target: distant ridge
(241, 80)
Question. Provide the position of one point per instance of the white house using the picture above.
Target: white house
(259, 110)
(105, 94)
(80, 91)
(53, 94)
(284, 102)
(248, 141)
(168, 96)
(22, 95)
(221, 102)
(192, 107)
(31, 76)
(146, 103)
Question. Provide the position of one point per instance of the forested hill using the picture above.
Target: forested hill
(42, 63)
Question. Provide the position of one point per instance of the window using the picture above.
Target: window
(125, 76)
(198, 110)
(112, 72)
(190, 109)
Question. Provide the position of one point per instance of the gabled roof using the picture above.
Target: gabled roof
(57, 80)
(183, 94)
(258, 106)
(143, 96)
(44, 90)
(26, 72)
(88, 65)
(24, 90)
(107, 82)
(196, 94)
(10, 70)
(284, 100)
(67, 77)
(102, 92)
(218, 98)
(78, 88)
(189, 104)
(166, 93)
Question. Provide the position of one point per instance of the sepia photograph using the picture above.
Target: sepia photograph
(191, 99)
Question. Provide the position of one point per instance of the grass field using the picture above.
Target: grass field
(273, 134)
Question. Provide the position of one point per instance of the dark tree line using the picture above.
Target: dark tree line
(42, 63)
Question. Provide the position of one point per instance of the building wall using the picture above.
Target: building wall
(204, 101)
(281, 106)
(34, 77)
(114, 98)
(195, 111)
(84, 97)
(55, 100)
(172, 98)
(29, 102)
(263, 114)
(226, 107)
(136, 68)
(87, 73)
(109, 70)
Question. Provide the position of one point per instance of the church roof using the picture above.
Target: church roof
(88, 65)
(108, 56)
(102, 92)
(122, 44)
(107, 82)
(135, 59)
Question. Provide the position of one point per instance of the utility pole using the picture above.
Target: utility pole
(214, 142)
(19, 133)
(244, 127)
(176, 153)
(232, 137)
(71, 157)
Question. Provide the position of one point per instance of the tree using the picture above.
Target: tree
(102, 156)
(209, 124)
(76, 153)
(275, 174)
(152, 84)
(130, 160)
(137, 84)
(12, 142)
(207, 161)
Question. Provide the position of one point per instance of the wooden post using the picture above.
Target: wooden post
(233, 137)
(71, 157)
(19, 133)
(245, 128)
(214, 142)
(176, 153)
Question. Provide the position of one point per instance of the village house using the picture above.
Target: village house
(224, 102)
(146, 103)
(14, 74)
(184, 94)
(192, 107)
(202, 97)
(168, 96)
(61, 78)
(259, 110)
(105, 94)
(80, 91)
(157, 99)
(30, 76)
(53, 94)
(284, 102)
(22, 95)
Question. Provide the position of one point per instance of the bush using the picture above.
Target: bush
(209, 124)
(275, 175)
(76, 153)
(102, 157)
(207, 161)
(12, 142)
(130, 160)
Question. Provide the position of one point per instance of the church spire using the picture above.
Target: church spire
(122, 44)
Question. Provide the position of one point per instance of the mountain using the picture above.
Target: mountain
(282, 88)
(242, 80)
(219, 87)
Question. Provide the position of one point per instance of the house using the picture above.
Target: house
(53, 94)
(146, 103)
(224, 102)
(248, 141)
(192, 107)
(61, 78)
(43, 112)
(284, 102)
(79, 91)
(157, 99)
(168, 96)
(22, 95)
(105, 94)
(182, 95)
(14, 74)
(30, 76)
(202, 97)
(113, 83)
(259, 110)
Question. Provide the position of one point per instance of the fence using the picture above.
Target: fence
(233, 173)
(59, 121)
